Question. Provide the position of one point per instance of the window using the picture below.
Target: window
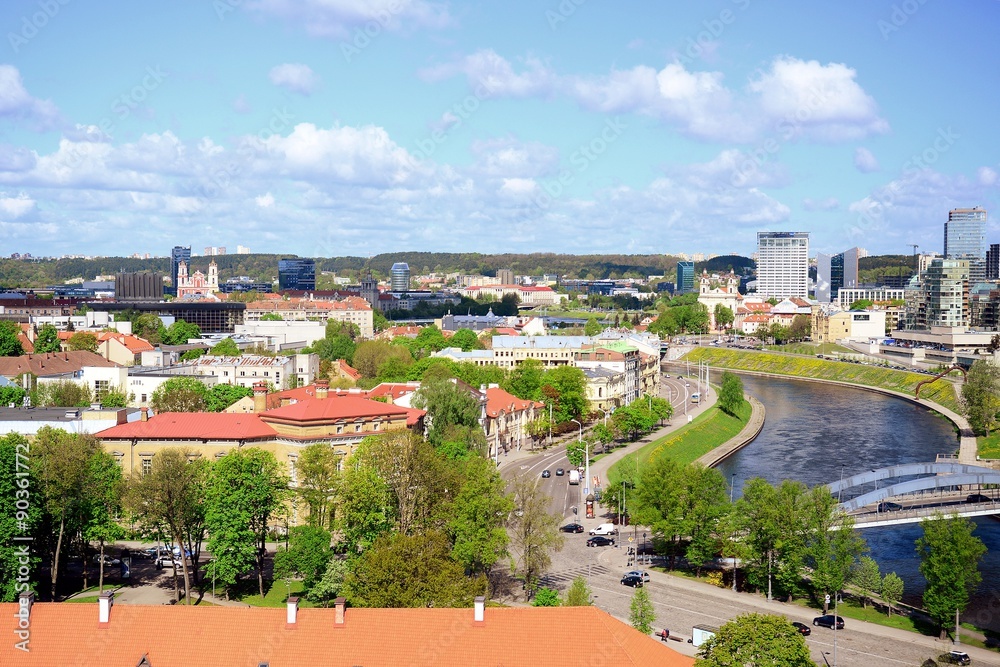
(357, 428)
(147, 466)
(340, 429)
(142, 398)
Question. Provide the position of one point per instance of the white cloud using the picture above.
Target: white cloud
(986, 176)
(18, 105)
(295, 77)
(518, 186)
(734, 169)
(265, 200)
(12, 208)
(338, 19)
(864, 161)
(490, 75)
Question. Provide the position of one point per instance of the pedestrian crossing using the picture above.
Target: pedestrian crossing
(565, 577)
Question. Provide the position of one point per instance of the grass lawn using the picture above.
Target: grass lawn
(811, 349)
(989, 448)
(277, 595)
(89, 599)
(941, 391)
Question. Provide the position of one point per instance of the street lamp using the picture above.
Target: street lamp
(732, 487)
(586, 457)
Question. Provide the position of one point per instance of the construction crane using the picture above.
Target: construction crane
(915, 265)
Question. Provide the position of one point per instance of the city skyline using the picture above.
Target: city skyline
(357, 128)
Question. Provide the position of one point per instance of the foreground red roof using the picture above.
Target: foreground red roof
(193, 425)
(334, 408)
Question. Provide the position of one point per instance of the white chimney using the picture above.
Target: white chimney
(291, 609)
(104, 604)
(339, 604)
(480, 613)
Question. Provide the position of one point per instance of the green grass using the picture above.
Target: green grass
(89, 599)
(811, 349)
(277, 594)
(989, 448)
(940, 391)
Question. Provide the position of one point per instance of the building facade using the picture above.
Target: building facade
(965, 239)
(946, 293)
(138, 286)
(836, 272)
(197, 284)
(685, 277)
(993, 262)
(297, 274)
(177, 255)
(782, 264)
(400, 277)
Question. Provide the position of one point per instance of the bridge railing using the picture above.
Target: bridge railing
(861, 518)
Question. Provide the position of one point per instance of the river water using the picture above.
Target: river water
(814, 433)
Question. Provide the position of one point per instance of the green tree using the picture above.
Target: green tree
(180, 394)
(592, 327)
(775, 534)
(949, 560)
(410, 571)
(306, 555)
(366, 507)
(150, 327)
(180, 332)
(576, 450)
(546, 597)
(226, 347)
(245, 489)
(12, 395)
(17, 483)
(330, 584)
(371, 355)
(723, 316)
(641, 614)
(271, 317)
(429, 340)
(115, 397)
(47, 340)
(10, 345)
(755, 639)
(832, 546)
(221, 396)
(703, 504)
(103, 504)
(665, 325)
(466, 339)
(981, 396)
(534, 533)
(567, 387)
(453, 414)
(867, 579)
(579, 594)
(892, 590)
(339, 342)
(731, 394)
(193, 354)
(801, 327)
(82, 341)
(525, 380)
(62, 394)
(478, 529)
(861, 304)
(318, 477)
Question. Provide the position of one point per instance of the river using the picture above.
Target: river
(814, 433)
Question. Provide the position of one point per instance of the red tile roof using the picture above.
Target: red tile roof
(332, 409)
(52, 363)
(347, 370)
(134, 344)
(69, 634)
(394, 390)
(193, 426)
(497, 399)
(26, 344)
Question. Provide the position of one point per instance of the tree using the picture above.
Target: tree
(861, 304)
(410, 571)
(317, 477)
(567, 387)
(592, 327)
(221, 396)
(466, 339)
(62, 394)
(17, 520)
(949, 554)
(546, 597)
(892, 590)
(429, 340)
(331, 583)
(371, 355)
(981, 396)
(723, 316)
(775, 534)
(193, 354)
(478, 529)
(180, 394)
(731, 394)
(453, 414)
(150, 327)
(755, 639)
(305, 556)
(10, 345)
(271, 317)
(579, 594)
(800, 328)
(47, 340)
(103, 504)
(525, 380)
(641, 614)
(82, 341)
(12, 395)
(366, 507)
(115, 397)
(245, 489)
(534, 533)
(226, 347)
(867, 579)
(339, 341)
(703, 503)
(832, 546)
(180, 332)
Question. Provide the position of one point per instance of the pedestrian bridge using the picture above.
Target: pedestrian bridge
(922, 489)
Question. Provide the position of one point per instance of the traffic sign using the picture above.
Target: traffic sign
(631, 539)
(827, 598)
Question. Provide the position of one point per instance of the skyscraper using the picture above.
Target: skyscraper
(783, 264)
(177, 255)
(297, 274)
(965, 238)
(946, 293)
(400, 280)
(685, 277)
(993, 262)
(834, 272)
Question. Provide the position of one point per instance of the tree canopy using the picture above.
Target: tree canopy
(755, 639)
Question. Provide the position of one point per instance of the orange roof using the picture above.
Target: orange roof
(497, 399)
(347, 370)
(26, 344)
(394, 390)
(134, 344)
(193, 425)
(333, 409)
(69, 634)
(52, 363)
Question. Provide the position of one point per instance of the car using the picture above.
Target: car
(546, 473)
(889, 507)
(638, 573)
(560, 472)
(978, 498)
(572, 528)
(108, 560)
(632, 580)
(827, 621)
(604, 529)
(600, 541)
(165, 560)
(955, 658)
(802, 628)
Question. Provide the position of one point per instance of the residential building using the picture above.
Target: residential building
(400, 277)
(831, 326)
(244, 371)
(618, 357)
(506, 277)
(507, 419)
(297, 274)
(138, 287)
(244, 284)
(122, 349)
(352, 309)
(177, 255)
(528, 295)
(993, 262)
(242, 250)
(685, 277)
(965, 239)
(212, 251)
(197, 285)
(877, 295)
(782, 264)
(946, 294)
(73, 420)
(52, 364)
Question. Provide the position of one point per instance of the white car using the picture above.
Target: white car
(605, 529)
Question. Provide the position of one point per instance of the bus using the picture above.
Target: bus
(696, 397)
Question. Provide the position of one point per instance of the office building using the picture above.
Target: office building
(242, 250)
(177, 255)
(835, 272)
(993, 262)
(946, 293)
(783, 264)
(685, 277)
(400, 280)
(505, 276)
(965, 239)
(138, 287)
(297, 274)
(214, 251)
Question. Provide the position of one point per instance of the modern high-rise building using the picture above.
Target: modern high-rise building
(993, 262)
(965, 238)
(505, 276)
(783, 264)
(400, 279)
(835, 272)
(685, 277)
(297, 274)
(946, 293)
(177, 255)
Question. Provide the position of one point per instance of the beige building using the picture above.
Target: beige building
(719, 290)
(351, 309)
(847, 325)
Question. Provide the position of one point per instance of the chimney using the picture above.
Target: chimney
(259, 396)
(322, 388)
(26, 600)
(144, 414)
(104, 604)
(291, 609)
(480, 608)
(339, 604)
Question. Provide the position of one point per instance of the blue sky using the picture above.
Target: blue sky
(342, 127)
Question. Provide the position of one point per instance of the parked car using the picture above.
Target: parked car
(638, 573)
(632, 580)
(828, 621)
(600, 541)
(978, 498)
(560, 472)
(572, 528)
(802, 628)
(165, 560)
(955, 658)
(108, 560)
(604, 529)
(546, 473)
(889, 507)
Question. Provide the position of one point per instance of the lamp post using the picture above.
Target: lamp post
(732, 487)
(550, 424)
(586, 457)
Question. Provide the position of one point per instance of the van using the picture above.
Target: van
(605, 529)
(574, 477)
(696, 397)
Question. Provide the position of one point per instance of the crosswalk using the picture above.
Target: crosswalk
(565, 577)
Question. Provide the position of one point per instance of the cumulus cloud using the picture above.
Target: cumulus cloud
(18, 105)
(264, 200)
(295, 77)
(490, 75)
(864, 161)
(12, 208)
(986, 176)
(337, 19)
